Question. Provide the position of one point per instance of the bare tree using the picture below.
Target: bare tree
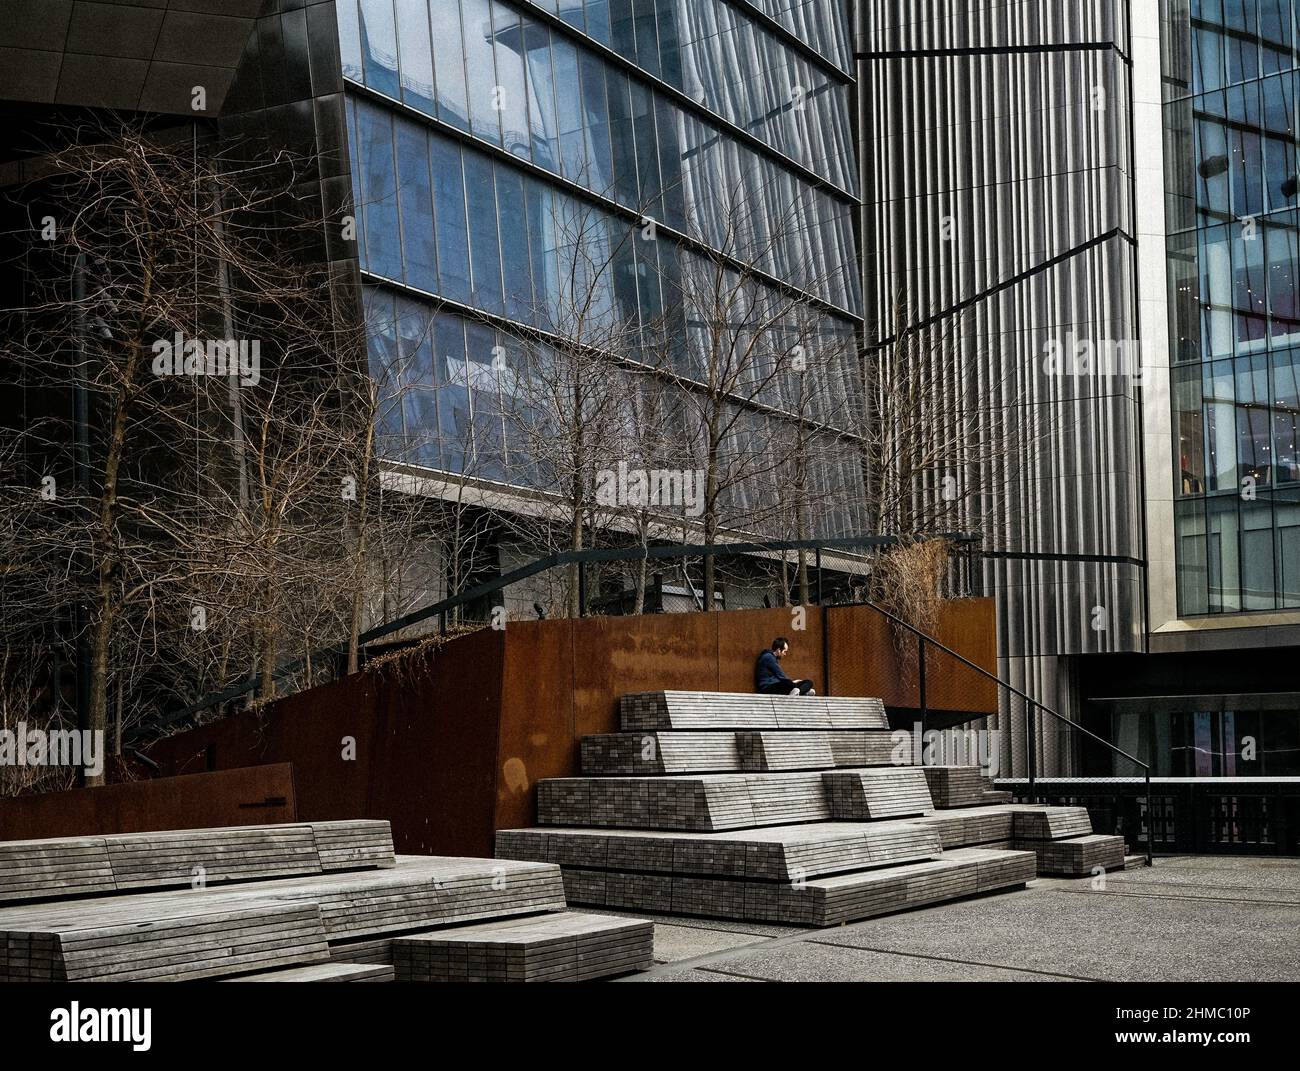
(565, 388)
(196, 448)
(754, 344)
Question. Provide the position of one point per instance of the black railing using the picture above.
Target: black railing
(582, 559)
(964, 542)
(924, 641)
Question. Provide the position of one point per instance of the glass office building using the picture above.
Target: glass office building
(500, 148)
(1232, 86)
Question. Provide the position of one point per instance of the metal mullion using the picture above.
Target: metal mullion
(568, 185)
(687, 103)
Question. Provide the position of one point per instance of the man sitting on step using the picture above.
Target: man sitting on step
(770, 679)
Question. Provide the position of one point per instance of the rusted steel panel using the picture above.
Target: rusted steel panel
(616, 655)
(433, 768)
(251, 795)
(864, 661)
(970, 627)
(537, 736)
(744, 634)
(415, 745)
(308, 729)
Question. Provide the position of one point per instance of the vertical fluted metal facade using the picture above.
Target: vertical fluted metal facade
(998, 215)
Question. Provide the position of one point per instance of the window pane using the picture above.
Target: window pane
(379, 38)
(541, 248)
(384, 359)
(541, 97)
(620, 132)
(514, 244)
(485, 252)
(379, 191)
(453, 391)
(598, 21)
(573, 158)
(419, 394)
(489, 431)
(512, 96)
(449, 63)
(416, 55)
(596, 104)
(480, 68)
(453, 235)
(415, 196)
(647, 151)
(350, 39)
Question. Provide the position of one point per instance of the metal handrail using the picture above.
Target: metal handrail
(581, 558)
(924, 638)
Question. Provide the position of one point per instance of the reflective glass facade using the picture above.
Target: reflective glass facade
(499, 148)
(1232, 86)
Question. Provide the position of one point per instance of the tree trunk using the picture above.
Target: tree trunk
(359, 571)
(107, 554)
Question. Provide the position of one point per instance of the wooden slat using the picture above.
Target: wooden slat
(780, 853)
(956, 786)
(825, 901)
(570, 946)
(78, 866)
(649, 711)
(877, 792)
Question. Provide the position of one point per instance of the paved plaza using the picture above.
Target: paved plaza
(1188, 918)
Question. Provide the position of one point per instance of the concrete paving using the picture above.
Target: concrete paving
(1189, 918)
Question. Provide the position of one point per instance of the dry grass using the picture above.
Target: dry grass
(908, 581)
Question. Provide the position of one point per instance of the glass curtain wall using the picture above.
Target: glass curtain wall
(1232, 86)
(502, 158)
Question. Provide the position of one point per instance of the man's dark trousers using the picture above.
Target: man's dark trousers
(786, 687)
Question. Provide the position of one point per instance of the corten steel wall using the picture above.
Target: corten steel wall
(864, 660)
(253, 795)
(425, 746)
(451, 748)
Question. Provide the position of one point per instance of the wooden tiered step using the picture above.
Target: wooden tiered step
(825, 901)
(206, 856)
(887, 792)
(648, 754)
(779, 853)
(354, 845)
(1064, 842)
(80, 866)
(652, 753)
(956, 786)
(854, 836)
(420, 892)
(568, 947)
(67, 866)
(322, 972)
(650, 711)
(160, 937)
(1078, 856)
(263, 924)
(703, 803)
(972, 826)
(781, 750)
(1051, 823)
